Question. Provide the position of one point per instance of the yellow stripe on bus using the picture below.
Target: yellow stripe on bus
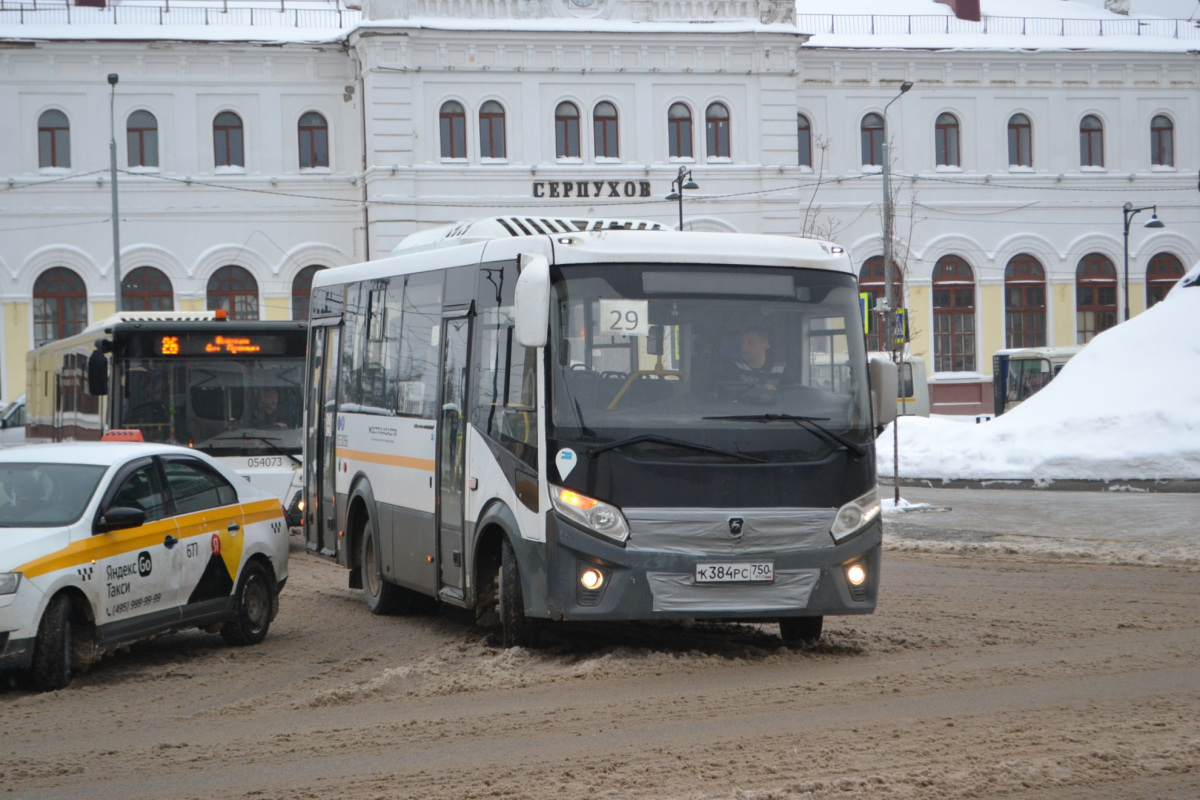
(426, 464)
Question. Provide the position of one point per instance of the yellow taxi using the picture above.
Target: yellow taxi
(105, 542)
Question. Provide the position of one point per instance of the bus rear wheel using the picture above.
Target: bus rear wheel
(800, 630)
(519, 630)
(382, 597)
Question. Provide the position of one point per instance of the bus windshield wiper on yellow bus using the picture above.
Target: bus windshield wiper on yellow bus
(655, 438)
(811, 424)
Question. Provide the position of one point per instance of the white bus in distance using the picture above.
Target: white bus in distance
(555, 419)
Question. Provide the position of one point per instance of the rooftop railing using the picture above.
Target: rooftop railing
(914, 24)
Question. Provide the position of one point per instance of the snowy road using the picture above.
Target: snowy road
(1112, 527)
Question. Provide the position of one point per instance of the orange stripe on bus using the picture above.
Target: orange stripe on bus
(426, 464)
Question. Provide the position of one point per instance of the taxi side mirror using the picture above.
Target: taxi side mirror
(118, 518)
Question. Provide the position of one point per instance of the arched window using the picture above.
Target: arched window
(804, 140)
(946, 141)
(1091, 142)
(1024, 302)
(491, 130)
(1020, 141)
(147, 289)
(141, 137)
(1095, 297)
(566, 131)
(679, 131)
(1162, 141)
(234, 290)
(716, 127)
(314, 141)
(604, 123)
(452, 121)
(59, 305)
(302, 290)
(953, 315)
(228, 145)
(54, 139)
(872, 140)
(1163, 272)
(873, 278)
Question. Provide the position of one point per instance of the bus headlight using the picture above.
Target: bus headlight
(9, 581)
(855, 515)
(598, 517)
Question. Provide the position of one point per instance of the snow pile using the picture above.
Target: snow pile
(1127, 407)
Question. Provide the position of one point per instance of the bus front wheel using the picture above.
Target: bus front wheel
(382, 597)
(519, 630)
(800, 630)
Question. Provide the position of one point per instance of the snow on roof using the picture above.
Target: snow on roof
(858, 24)
(1123, 409)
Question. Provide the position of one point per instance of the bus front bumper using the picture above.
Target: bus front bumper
(644, 584)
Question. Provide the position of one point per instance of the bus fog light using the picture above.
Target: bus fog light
(856, 574)
(591, 579)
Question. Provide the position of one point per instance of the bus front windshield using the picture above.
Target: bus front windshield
(726, 357)
(228, 406)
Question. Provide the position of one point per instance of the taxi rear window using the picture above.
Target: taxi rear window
(45, 495)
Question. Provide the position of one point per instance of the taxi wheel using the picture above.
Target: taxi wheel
(53, 664)
(253, 607)
(382, 598)
(519, 630)
(800, 630)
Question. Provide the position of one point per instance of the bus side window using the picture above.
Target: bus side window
(505, 408)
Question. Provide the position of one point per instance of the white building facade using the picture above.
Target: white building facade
(1010, 166)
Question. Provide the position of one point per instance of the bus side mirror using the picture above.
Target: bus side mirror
(97, 373)
(532, 301)
(884, 387)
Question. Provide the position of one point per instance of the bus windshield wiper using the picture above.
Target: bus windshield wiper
(811, 424)
(271, 445)
(653, 437)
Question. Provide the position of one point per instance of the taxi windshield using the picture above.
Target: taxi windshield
(36, 495)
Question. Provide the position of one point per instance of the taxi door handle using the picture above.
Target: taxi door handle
(170, 541)
(234, 528)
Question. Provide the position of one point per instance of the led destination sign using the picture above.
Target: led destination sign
(186, 344)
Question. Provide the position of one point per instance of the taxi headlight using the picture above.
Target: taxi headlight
(855, 515)
(9, 581)
(598, 517)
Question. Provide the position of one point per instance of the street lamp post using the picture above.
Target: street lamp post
(1129, 213)
(682, 181)
(889, 272)
(112, 168)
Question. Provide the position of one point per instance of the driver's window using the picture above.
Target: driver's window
(142, 490)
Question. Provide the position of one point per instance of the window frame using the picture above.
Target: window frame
(947, 140)
(872, 139)
(1162, 142)
(58, 136)
(141, 133)
(1033, 277)
(717, 132)
(947, 315)
(872, 277)
(318, 136)
(804, 134)
(302, 290)
(146, 275)
(602, 127)
(1020, 137)
(226, 275)
(450, 123)
(487, 135)
(566, 132)
(1159, 281)
(680, 133)
(70, 313)
(1091, 140)
(1095, 279)
(230, 134)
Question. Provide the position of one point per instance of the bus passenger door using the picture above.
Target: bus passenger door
(320, 505)
(451, 452)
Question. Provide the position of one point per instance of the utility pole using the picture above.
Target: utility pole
(112, 168)
(889, 271)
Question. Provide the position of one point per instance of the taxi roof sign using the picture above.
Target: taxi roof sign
(123, 435)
